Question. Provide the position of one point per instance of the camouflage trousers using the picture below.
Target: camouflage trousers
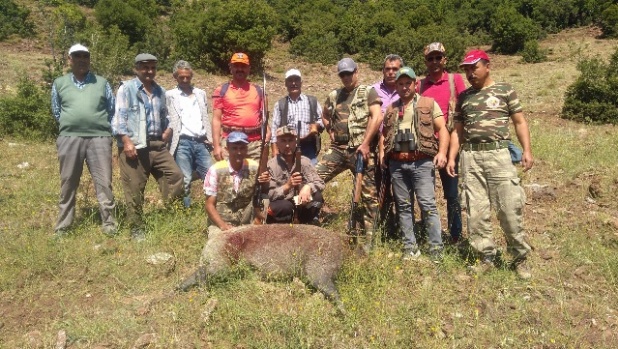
(337, 160)
(489, 179)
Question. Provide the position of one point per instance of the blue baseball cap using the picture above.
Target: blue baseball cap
(236, 136)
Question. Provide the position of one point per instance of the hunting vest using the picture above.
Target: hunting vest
(351, 130)
(422, 119)
(231, 204)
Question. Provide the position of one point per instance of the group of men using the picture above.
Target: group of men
(403, 128)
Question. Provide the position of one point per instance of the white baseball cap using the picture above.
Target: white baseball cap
(78, 48)
(292, 72)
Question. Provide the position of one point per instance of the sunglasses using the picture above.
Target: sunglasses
(346, 74)
(434, 59)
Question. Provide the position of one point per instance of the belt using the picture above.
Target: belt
(485, 146)
(408, 156)
(248, 130)
(154, 138)
(191, 138)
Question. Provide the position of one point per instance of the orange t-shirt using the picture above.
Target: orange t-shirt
(241, 107)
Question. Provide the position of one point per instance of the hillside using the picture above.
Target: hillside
(104, 294)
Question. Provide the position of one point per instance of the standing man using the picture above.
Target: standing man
(237, 106)
(387, 91)
(410, 150)
(294, 107)
(229, 186)
(286, 184)
(140, 125)
(83, 105)
(488, 176)
(352, 117)
(444, 88)
(191, 126)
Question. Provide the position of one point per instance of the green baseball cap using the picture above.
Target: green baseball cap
(407, 71)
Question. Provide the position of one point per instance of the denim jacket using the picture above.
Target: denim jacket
(130, 116)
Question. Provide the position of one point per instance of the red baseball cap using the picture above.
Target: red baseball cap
(474, 56)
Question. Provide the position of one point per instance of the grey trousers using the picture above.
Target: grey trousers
(97, 152)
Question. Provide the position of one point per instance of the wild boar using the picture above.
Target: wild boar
(309, 252)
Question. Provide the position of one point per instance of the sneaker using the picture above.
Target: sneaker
(138, 235)
(110, 230)
(521, 268)
(411, 254)
(436, 256)
(484, 266)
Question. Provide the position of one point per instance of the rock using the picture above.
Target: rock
(34, 339)
(159, 258)
(24, 165)
(541, 191)
(61, 339)
(145, 340)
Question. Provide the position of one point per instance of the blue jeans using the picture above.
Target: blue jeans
(416, 178)
(308, 150)
(192, 156)
(453, 207)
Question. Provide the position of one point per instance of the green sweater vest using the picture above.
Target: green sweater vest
(83, 112)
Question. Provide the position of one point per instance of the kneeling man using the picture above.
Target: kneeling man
(229, 186)
(285, 184)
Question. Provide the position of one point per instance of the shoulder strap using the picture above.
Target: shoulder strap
(313, 109)
(283, 111)
(361, 92)
(421, 88)
(224, 88)
(425, 102)
(451, 84)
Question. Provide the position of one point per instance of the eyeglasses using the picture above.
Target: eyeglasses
(346, 74)
(434, 59)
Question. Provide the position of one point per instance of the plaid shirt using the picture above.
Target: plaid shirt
(56, 102)
(298, 109)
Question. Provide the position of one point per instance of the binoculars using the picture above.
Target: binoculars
(404, 141)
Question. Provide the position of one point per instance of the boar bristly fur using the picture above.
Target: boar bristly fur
(311, 253)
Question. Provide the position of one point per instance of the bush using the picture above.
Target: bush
(27, 114)
(133, 17)
(14, 20)
(593, 97)
(532, 52)
(510, 30)
(208, 32)
(609, 21)
(110, 53)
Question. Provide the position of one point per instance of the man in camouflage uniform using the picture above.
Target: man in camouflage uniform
(229, 186)
(488, 177)
(352, 117)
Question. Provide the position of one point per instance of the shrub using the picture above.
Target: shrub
(132, 17)
(208, 32)
(110, 53)
(510, 30)
(532, 53)
(14, 20)
(593, 97)
(28, 113)
(609, 21)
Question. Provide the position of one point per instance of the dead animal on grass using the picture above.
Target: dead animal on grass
(311, 253)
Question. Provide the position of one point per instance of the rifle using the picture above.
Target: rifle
(297, 168)
(261, 189)
(357, 186)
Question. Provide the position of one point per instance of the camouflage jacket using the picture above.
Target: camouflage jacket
(350, 117)
(232, 204)
(485, 113)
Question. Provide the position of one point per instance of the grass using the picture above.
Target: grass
(103, 292)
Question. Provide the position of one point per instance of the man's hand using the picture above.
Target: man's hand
(264, 177)
(527, 161)
(226, 226)
(364, 150)
(129, 148)
(304, 196)
(439, 160)
(166, 136)
(450, 168)
(217, 152)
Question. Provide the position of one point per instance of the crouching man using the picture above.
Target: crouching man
(286, 184)
(411, 152)
(229, 186)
